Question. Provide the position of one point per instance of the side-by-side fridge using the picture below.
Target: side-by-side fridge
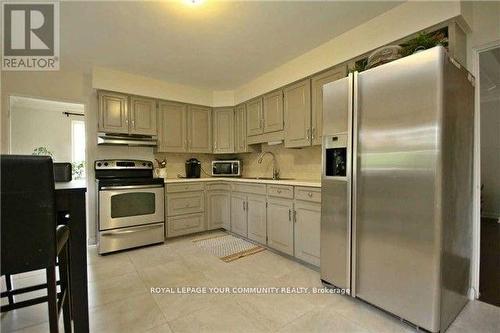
(396, 216)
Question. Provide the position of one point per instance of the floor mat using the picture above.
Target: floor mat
(227, 247)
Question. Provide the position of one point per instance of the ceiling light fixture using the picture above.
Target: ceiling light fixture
(193, 2)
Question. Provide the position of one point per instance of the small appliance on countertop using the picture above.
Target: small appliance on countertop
(193, 168)
(130, 205)
(226, 168)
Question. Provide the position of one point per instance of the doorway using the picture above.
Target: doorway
(45, 127)
(489, 99)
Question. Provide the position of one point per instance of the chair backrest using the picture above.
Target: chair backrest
(28, 213)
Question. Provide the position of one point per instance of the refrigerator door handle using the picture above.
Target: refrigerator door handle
(354, 170)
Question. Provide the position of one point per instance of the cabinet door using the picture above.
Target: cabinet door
(256, 216)
(273, 111)
(307, 231)
(199, 129)
(238, 214)
(317, 83)
(223, 130)
(254, 117)
(219, 210)
(240, 129)
(280, 225)
(172, 128)
(185, 224)
(113, 112)
(143, 116)
(298, 114)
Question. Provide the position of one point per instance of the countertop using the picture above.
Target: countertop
(79, 184)
(294, 182)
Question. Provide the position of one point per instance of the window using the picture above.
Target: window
(78, 148)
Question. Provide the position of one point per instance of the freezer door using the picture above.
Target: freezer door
(399, 106)
(335, 241)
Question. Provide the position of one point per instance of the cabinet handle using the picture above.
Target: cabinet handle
(308, 133)
(314, 133)
(133, 123)
(310, 194)
(243, 202)
(294, 216)
(215, 145)
(289, 215)
(279, 191)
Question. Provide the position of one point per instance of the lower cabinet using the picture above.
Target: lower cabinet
(185, 224)
(239, 214)
(307, 231)
(280, 225)
(219, 210)
(256, 218)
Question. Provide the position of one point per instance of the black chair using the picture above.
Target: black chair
(31, 236)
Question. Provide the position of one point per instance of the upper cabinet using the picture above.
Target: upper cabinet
(254, 117)
(142, 116)
(113, 112)
(199, 126)
(223, 130)
(297, 105)
(273, 112)
(240, 129)
(317, 83)
(184, 128)
(172, 127)
(117, 115)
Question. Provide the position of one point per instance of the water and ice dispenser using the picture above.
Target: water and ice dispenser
(335, 155)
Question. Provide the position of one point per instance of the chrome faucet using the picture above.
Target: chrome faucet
(276, 171)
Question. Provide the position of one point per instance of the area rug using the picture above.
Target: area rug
(227, 247)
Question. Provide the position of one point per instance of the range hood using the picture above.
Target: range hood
(126, 140)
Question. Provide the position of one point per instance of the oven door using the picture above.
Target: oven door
(124, 206)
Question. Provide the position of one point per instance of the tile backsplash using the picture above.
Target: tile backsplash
(303, 163)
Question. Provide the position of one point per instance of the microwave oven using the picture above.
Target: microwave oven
(228, 168)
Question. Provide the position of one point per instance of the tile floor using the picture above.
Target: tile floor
(120, 299)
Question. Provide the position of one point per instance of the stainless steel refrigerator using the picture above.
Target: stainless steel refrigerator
(396, 215)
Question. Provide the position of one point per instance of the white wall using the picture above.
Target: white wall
(32, 128)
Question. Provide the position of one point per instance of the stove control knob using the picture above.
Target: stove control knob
(143, 164)
(150, 164)
(99, 164)
(105, 163)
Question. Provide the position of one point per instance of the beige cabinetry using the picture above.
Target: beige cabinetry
(219, 209)
(317, 83)
(142, 116)
(272, 112)
(297, 106)
(239, 214)
(172, 127)
(113, 112)
(223, 130)
(123, 114)
(256, 217)
(280, 224)
(307, 218)
(185, 205)
(240, 129)
(199, 129)
(254, 117)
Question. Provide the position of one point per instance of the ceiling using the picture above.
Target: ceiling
(490, 74)
(214, 45)
(18, 102)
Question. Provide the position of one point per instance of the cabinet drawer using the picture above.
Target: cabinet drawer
(185, 187)
(249, 188)
(185, 203)
(281, 191)
(218, 186)
(308, 194)
(185, 224)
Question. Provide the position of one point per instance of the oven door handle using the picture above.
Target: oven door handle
(126, 187)
(132, 230)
